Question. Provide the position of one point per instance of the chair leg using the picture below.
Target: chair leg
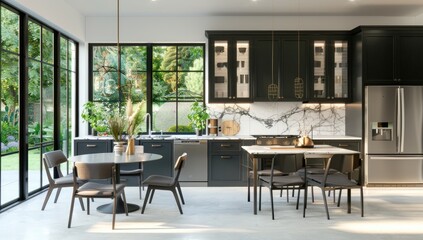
(114, 212)
(271, 203)
(298, 197)
(124, 202)
(152, 194)
(139, 185)
(326, 203)
(339, 197)
(57, 194)
(180, 193)
(71, 211)
(305, 200)
(88, 206)
(248, 189)
(312, 194)
(362, 201)
(260, 198)
(82, 204)
(287, 195)
(145, 199)
(46, 199)
(177, 200)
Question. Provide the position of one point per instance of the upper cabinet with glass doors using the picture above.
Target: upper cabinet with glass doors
(330, 75)
(229, 70)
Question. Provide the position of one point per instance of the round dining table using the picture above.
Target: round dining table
(117, 159)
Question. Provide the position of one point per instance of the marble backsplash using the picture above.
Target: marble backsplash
(272, 118)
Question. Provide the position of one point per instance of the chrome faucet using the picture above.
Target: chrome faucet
(148, 119)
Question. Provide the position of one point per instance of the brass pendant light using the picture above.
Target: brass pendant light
(272, 89)
(298, 81)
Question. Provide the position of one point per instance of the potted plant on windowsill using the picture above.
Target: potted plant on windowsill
(198, 117)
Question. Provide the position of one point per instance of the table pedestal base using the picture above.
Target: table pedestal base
(108, 208)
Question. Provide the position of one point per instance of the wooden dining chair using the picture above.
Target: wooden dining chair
(91, 171)
(160, 182)
(52, 161)
(329, 180)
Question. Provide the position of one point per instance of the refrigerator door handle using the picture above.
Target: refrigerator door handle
(402, 119)
(396, 158)
(398, 120)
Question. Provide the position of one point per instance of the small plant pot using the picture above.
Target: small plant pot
(198, 132)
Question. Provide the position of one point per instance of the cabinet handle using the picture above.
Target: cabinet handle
(343, 145)
(156, 145)
(225, 145)
(91, 145)
(225, 157)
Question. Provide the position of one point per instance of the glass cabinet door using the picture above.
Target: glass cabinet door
(340, 83)
(221, 69)
(319, 75)
(242, 69)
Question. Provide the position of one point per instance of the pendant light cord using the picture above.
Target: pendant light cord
(118, 46)
(298, 44)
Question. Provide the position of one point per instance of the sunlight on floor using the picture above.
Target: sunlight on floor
(159, 227)
(410, 227)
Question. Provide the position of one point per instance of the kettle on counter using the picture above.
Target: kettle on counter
(304, 142)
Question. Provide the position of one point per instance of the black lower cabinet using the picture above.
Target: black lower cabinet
(337, 160)
(163, 166)
(226, 163)
(86, 146)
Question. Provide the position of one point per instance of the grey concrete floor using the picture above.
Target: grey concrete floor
(223, 213)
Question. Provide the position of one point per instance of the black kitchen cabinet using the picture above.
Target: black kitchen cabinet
(163, 166)
(229, 68)
(393, 56)
(330, 77)
(283, 85)
(225, 163)
(88, 146)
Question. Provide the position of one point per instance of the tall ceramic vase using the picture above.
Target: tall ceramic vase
(119, 148)
(130, 150)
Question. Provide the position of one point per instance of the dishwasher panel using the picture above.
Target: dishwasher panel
(195, 167)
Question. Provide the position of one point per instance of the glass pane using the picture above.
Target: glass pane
(63, 52)
(134, 67)
(243, 69)
(9, 178)
(10, 102)
(34, 40)
(164, 58)
(191, 86)
(9, 30)
(9, 128)
(184, 109)
(341, 69)
(71, 56)
(34, 103)
(164, 117)
(105, 85)
(63, 110)
(34, 169)
(47, 104)
(319, 89)
(134, 58)
(221, 69)
(164, 86)
(190, 58)
(48, 48)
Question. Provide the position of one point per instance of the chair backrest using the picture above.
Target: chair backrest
(86, 171)
(179, 164)
(54, 159)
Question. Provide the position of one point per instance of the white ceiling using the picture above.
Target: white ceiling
(98, 8)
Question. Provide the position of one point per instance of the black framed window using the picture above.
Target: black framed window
(167, 77)
(37, 69)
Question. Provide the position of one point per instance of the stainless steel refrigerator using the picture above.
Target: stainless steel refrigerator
(394, 134)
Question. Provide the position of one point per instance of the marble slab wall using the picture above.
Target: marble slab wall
(272, 118)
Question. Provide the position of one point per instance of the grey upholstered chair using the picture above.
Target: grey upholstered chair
(291, 180)
(52, 160)
(87, 171)
(159, 182)
(329, 180)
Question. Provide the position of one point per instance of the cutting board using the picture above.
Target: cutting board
(230, 127)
